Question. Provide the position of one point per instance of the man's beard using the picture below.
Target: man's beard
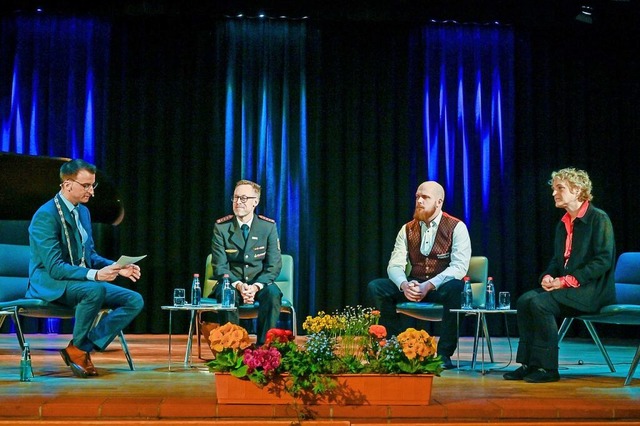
(423, 214)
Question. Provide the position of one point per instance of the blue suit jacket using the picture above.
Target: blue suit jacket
(50, 267)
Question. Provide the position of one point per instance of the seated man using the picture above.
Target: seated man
(246, 246)
(438, 248)
(65, 268)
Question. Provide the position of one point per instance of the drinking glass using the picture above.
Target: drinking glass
(504, 300)
(178, 297)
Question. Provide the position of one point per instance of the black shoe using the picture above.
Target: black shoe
(542, 376)
(446, 362)
(518, 374)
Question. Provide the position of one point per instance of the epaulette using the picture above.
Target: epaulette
(225, 219)
(268, 219)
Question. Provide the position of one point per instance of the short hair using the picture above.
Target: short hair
(576, 178)
(70, 169)
(254, 185)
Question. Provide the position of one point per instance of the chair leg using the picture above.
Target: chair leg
(596, 339)
(125, 349)
(632, 369)
(19, 333)
(566, 323)
(123, 341)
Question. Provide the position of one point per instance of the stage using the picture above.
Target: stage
(587, 394)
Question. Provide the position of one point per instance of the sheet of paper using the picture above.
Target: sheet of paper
(127, 260)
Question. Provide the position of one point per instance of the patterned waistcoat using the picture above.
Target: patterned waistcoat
(425, 267)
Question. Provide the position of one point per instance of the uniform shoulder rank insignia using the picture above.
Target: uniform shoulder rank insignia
(225, 219)
(268, 219)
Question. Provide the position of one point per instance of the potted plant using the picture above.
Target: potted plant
(317, 370)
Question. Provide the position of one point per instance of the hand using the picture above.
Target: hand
(412, 290)
(551, 284)
(131, 271)
(248, 292)
(108, 273)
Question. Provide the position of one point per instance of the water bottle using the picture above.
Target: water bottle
(228, 292)
(25, 364)
(196, 290)
(490, 303)
(467, 294)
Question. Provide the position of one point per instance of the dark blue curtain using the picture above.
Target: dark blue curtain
(468, 136)
(338, 123)
(53, 86)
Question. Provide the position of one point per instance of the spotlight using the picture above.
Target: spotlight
(585, 15)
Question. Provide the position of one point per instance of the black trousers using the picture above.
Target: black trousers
(538, 328)
(383, 294)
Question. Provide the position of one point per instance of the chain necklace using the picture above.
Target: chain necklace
(66, 233)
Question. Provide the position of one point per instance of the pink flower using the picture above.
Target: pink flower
(266, 358)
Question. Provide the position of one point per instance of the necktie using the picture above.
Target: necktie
(83, 233)
(245, 231)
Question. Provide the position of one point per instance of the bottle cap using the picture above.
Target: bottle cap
(196, 275)
(466, 278)
(225, 276)
(490, 279)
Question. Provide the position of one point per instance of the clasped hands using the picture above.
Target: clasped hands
(247, 291)
(111, 272)
(415, 291)
(549, 283)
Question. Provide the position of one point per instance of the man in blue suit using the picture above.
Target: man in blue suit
(65, 268)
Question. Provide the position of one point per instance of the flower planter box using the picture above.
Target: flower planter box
(353, 389)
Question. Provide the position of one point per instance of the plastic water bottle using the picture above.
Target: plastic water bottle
(490, 303)
(26, 372)
(467, 294)
(228, 292)
(196, 290)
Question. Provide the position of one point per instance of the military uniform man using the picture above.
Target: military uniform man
(246, 246)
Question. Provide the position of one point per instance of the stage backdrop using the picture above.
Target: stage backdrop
(339, 122)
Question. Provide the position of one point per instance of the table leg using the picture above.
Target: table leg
(475, 341)
(169, 340)
(187, 355)
(485, 332)
(458, 337)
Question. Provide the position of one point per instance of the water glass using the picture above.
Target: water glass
(178, 297)
(504, 300)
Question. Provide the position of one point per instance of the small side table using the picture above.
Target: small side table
(481, 314)
(194, 311)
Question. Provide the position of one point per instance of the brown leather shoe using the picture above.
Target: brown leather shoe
(91, 369)
(79, 361)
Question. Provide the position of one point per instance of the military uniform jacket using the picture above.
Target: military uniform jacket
(257, 261)
(592, 262)
(50, 266)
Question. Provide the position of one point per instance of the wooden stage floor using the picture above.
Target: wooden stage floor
(588, 393)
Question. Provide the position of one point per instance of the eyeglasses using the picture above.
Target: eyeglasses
(241, 198)
(86, 186)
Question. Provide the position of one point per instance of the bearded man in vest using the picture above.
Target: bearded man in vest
(437, 248)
